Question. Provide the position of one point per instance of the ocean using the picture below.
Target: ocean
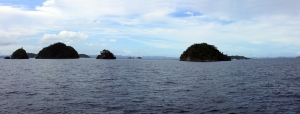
(149, 86)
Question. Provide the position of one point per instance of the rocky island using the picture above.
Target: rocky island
(203, 53)
(58, 51)
(19, 54)
(105, 54)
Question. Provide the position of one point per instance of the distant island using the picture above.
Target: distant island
(236, 57)
(298, 57)
(58, 51)
(84, 56)
(19, 54)
(31, 55)
(106, 54)
(203, 53)
(7, 57)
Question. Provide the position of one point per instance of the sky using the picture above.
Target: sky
(251, 28)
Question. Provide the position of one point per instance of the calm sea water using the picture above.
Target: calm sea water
(149, 86)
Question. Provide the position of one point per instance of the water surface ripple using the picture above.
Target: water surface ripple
(149, 86)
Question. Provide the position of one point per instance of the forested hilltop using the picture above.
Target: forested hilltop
(106, 54)
(19, 54)
(203, 53)
(58, 51)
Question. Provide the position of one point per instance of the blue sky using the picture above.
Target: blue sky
(268, 28)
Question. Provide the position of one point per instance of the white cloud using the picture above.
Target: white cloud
(127, 52)
(112, 40)
(7, 41)
(234, 23)
(92, 44)
(63, 36)
(9, 49)
(103, 45)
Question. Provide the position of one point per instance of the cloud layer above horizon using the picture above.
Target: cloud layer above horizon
(157, 27)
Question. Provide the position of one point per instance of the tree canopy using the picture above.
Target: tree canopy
(58, 51)
(106, 54)
(203, 52)
(19, 54)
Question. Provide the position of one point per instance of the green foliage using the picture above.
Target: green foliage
(19, 54)
(58, 51)
(203, 52)
(106, 54)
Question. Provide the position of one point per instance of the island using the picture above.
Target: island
(298, 57)
(31, 55)
(58, 51)
(106, 54)
(19, 54)
(7, 58)
(84, 56)
(203, 52)
(139, 58)
(236, 57)
(130, 58)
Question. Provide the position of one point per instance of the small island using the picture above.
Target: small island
(84, 56)
(139, 58)
(19, 54)
(7, 58)
(58, 51)
(106, 54)
(203, 53)
(236, 57)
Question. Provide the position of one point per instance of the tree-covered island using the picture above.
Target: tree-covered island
(58, 51)
(106, 54)
(236, 57)
(203, 53)
(19, 54)
(6, 57)
(84, 56)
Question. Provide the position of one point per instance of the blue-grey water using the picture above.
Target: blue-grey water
(149, 86)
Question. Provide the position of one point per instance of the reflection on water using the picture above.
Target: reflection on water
(149, 86)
